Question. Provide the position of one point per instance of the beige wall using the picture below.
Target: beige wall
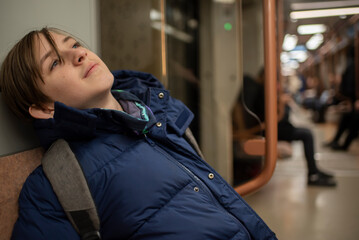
(18, 17)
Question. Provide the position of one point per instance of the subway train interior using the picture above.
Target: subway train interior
(273, 85)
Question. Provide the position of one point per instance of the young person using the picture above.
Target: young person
(127, 133)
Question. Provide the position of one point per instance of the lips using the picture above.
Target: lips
(90, 69)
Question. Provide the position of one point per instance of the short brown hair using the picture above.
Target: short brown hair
(20, 73)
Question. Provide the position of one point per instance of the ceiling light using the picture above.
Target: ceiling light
(291, 65)
(321, 5)
(284, 57)
(299, 55)
(315, 41)
(311, 29)
(289, 42)
(324, 13)
(224, 1)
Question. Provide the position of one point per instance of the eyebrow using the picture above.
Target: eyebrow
(66, 39)
(42, 60)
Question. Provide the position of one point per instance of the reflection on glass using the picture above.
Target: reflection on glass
(157, 36)
(182, 22)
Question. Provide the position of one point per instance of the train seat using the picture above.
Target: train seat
(20, 154)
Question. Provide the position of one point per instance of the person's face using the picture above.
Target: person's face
(81, 80)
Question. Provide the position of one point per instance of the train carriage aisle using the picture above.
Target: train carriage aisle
(296, 211)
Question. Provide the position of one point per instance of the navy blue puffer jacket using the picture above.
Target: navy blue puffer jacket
(146, 180)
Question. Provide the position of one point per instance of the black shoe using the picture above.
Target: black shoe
(329, 144)
(325, 175)
(338, 147)
(321, 179)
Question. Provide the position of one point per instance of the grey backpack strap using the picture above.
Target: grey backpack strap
(192, 140)
(68, 181)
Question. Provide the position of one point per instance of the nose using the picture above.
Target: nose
(79, 56)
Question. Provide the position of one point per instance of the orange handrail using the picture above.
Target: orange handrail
(270, 61)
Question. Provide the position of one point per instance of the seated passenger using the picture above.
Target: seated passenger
(127, 134)
(349, 120)
(288, 132)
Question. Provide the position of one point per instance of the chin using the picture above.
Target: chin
(106, 80)
(109, 81)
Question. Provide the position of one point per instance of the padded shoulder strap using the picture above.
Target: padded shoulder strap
(192, 140)
(68, 181)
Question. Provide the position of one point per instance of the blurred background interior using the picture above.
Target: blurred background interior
(209, 54)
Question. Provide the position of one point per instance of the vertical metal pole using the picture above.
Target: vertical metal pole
(269, 8)
(270, 61)
(280, 34)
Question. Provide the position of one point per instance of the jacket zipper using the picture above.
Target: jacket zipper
(195, 177)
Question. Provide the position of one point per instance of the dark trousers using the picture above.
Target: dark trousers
(343, 125)
(349, 123)
(306, 136)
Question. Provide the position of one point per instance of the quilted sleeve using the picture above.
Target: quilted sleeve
(40, 213)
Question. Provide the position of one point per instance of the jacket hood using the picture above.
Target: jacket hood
(75, 124)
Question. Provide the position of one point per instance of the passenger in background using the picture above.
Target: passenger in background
(128, 135)
(288, 132)
(247, 115)
(349, 125)
(349, 121)
(315, 98)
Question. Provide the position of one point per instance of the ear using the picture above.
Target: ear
(44, 112)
